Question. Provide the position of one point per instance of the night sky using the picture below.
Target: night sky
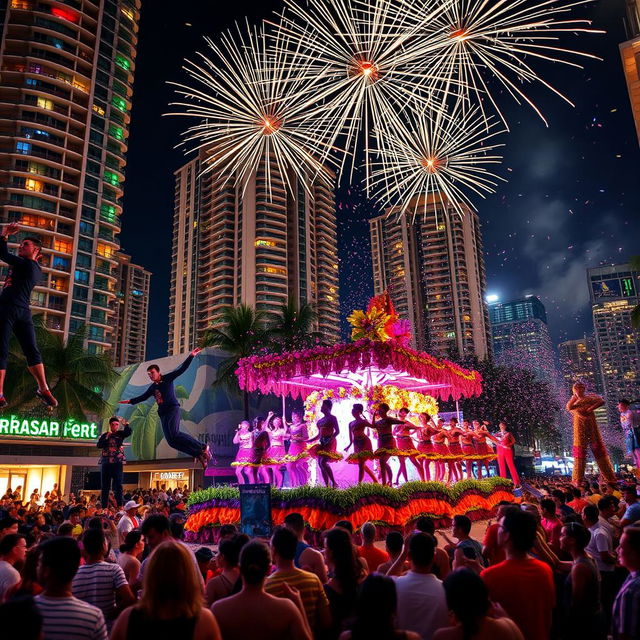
(571, 201)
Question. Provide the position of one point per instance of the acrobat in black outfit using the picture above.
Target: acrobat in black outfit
(15, 315)
(169, 410)
(112, 459)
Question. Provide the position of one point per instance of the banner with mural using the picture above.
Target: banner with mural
(209, 412)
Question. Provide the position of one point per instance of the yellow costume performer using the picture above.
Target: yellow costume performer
(586, 434)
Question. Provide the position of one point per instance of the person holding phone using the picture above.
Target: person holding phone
(112, 459)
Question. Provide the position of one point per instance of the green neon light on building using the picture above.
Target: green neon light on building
(70, 429)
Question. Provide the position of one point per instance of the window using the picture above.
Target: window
(108, 213)
(75, 324)
(65, 14)
(60, 263)
(81, 276)
(87, 229)
(84, 244)
(23, 147)
(116, 132)
(59, 284)
(63, 246)
(79, 309)
(80, 293)
(111, 178)
(45, 103)
(98, 109)
(83, 260)
(34, 185)
(105, 250)
(121, 61)
(100, 299)
(24, 4)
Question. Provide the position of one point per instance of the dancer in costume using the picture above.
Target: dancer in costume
(325, 450)
(442, 455)
(169, 410)
(586, 434)
(15, 315)
(505, 444)
(468, 444)
(453, 439)
(362, 448)
(425, 446)
(405, 444)
(244, 438)
(386, 442)
(297, 456)
(484, 449)
(277, 452)
(259, 462)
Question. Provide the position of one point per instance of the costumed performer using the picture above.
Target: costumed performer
(586, 434)
(277, 452)
(442, 455)
(297, 456)
(484, 449)
(259, 462)
(244, 457)
(362, 447)
(112, 459)
(405, 444)
(425, 446)
(468, 445)
(453, 439)
(325, 451)
(505, 444)
(630, 423)
(386, 442)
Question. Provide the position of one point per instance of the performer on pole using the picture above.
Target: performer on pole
(169, 410)
(15, 316)
(325, 450)
(112, 459)
(586, 434)
(362, 447)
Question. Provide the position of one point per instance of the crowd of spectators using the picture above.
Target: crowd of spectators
(561, 564)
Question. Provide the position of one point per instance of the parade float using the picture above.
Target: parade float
(378, 366)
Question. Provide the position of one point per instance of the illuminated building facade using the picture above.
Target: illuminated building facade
(234, 247)
(579, 362)
(614, 292)
(132, 312)
(65, 97)
(630, 53)
(433, 268)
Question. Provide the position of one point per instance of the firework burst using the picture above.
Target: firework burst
(502, 39)
(436, 159)
(252, 110)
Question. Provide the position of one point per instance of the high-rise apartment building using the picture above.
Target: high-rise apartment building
(132, 312)
(630, 52)
(614, 292)
(66, 76)
(579, 362)
(521, 337)
(256, 246)
(433, 268)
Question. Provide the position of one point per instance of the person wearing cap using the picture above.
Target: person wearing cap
(129, 520)
(204, 556)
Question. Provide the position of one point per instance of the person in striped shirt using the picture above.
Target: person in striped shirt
(102, 584)
(314, 599)
(63, 616)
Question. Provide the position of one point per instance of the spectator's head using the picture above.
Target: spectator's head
(629, 549)
(574, 537)
(368, 532)
(394, 543)
(133, 543)
(558, 496)
(8, 525)
(422, 548)
(346, 525)
(461, 527)
(283, 545)
(177, 521)
(590, 515)
(548, 507)
(426, 525)
(576, 492)
(227, 531)
(65, 530)
(20, 618)
(517, 531)
(341, 557)
(156, 529)
(630, 493)
(607, 506)
(255, 561)
(204, 556)
(13, 548)
(94, 544)
(295, 522)
(375, 608)
(623, 404)
(75, 515)
(467, 598)
(59, 562)
(171, 583)
(229, 554)
(503, 505)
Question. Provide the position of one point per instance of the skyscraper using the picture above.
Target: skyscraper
(630, 52)
(65, 98)
(232, 246)
(132, 312)
(521, 337)
(614, 292)
(579, 361)
(433, 268)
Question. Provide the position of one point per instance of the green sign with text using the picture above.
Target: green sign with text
(37, 428)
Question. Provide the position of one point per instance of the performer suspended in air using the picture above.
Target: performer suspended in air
(112, 459)
(405, 444)
(297, 456)
(15, 315)
(362, 447)
(169, 410)
(325, 450)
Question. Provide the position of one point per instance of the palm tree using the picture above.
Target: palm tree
(291, 329)
(241, 332)
(76, 377)
(635, 314)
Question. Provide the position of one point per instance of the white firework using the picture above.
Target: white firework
(253, 111)
(438, 159)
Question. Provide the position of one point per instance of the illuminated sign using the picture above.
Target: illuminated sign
(170, 475)
(36, 428)
(618, 288)
(628, 288)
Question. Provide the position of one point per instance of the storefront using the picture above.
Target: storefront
(36, 453)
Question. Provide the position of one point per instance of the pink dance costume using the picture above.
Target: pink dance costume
(276, 453)
(244, 456)
(298, 447)
(454, 447)
(425, 446)
(362, 447)
(469, 450)
(484, 448)
(506, 442)
(405, 443)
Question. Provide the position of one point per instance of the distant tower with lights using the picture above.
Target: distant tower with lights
(630, 52)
